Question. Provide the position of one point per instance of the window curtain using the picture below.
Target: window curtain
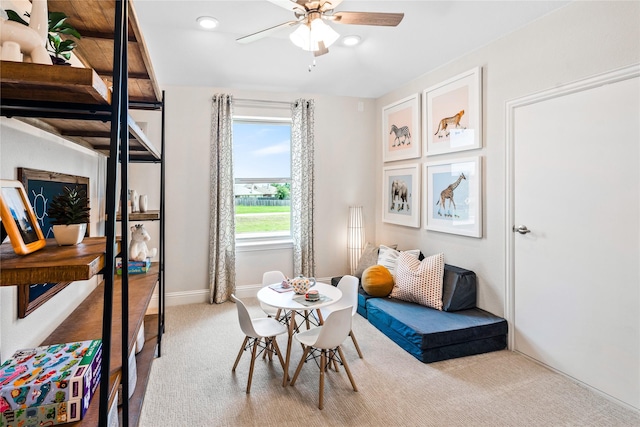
(222, 247)
(302, 178)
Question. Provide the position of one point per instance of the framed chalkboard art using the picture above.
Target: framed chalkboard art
(41, 187)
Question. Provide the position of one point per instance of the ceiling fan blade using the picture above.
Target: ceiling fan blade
(367, 18)
(290, 4)
(264, 33)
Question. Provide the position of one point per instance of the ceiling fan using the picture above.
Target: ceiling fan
(312, 33)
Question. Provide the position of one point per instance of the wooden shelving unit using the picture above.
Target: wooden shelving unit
(88, 106)
(86, 323)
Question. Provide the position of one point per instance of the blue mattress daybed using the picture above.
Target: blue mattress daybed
(431, 335)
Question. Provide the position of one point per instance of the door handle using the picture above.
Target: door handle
(522, 229)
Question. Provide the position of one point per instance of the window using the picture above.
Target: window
(262, 175)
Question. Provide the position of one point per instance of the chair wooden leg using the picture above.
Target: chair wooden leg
(323, 361)
(277, 348)
(306, 319)
(240, 354)
(253, 361)
(266, 350)
(304, 357)
(346, 368)
(353, 338)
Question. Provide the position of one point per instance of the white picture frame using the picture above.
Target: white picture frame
(401, 195)
(401, 135)
(452, 114)
(453, 196)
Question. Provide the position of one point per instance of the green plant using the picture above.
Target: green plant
(70, 207)
(57, 25)
(282, 191)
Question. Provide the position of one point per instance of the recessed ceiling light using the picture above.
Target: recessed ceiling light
(207, 22)
(351, 40)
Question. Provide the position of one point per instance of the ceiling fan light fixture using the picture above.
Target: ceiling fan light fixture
(309, 36)
(351, 40)
(323, 32)
(207, 22)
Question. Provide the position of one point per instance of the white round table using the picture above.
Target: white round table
(285, 301)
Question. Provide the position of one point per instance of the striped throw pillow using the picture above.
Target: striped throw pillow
(389, 257)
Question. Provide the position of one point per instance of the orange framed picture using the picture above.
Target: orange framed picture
(18, 219)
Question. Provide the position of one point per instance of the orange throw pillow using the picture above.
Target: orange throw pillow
(377, 281)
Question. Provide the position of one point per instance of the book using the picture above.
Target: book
(135, 267)
(279, 288)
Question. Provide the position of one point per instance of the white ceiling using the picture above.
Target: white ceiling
(431, 34)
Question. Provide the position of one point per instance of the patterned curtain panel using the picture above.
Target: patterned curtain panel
(302, 177)
(222, 247)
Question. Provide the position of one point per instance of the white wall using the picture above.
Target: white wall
(345, 149)
(577, 41)
(24, 146)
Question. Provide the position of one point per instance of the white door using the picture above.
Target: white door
(576, 187)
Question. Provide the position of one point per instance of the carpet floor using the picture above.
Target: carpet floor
(192, 385)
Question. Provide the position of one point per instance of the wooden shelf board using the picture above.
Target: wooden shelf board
(86, 323)
(53, 263)
(38, 82)
(96, 19)
(141, 216)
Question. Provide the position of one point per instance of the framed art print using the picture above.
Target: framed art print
(452, 114)
(401, 195)
(401, 129)
(41, 187)
(18, 219)
(453, 200)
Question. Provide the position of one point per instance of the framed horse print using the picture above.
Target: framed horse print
(401, 195)
(453, 200)
(452, 114)
(401, 129)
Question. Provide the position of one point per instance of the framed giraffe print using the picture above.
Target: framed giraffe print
(401, 130)
(452, 114)
(453, 199)
(401, 195)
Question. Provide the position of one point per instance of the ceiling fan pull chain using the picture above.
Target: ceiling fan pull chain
(312, 65)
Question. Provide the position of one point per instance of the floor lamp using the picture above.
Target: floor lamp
(355, 236)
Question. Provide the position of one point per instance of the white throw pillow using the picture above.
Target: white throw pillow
(389, 257)
(419, 281)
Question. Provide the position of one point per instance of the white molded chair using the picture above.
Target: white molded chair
(348, 285)
(257, 330)
(326, 339)
(269, 278)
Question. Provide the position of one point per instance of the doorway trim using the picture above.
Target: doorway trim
(609, 77)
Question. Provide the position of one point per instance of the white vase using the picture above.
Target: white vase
(32, 39)
(143, 202)
(67, 235)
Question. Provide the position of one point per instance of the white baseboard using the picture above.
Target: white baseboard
(180, 298)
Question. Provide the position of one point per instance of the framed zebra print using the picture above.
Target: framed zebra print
(401, 130)
(453, 199)
(452, 114)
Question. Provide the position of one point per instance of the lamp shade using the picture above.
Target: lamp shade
(307, 36)
(355, 236)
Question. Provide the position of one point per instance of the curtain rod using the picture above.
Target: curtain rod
(262, 101)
